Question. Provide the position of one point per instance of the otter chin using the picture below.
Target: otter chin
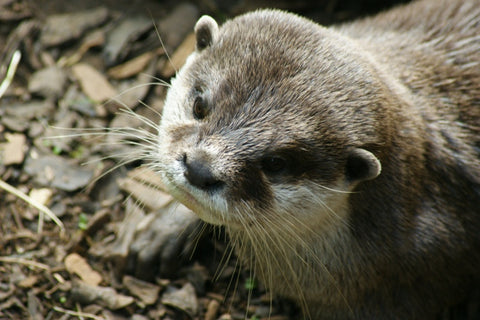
(344, 162)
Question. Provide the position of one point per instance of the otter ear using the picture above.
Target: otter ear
(362, 165)
(206, 32)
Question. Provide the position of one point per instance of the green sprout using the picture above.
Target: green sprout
(82, 221)
(56, 150)
(250, 283)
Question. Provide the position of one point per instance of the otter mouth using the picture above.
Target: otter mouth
(209, 214)
(184, 196)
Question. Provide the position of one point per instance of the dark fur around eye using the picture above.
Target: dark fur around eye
(298, 163)
(200, 108)
(274, 165)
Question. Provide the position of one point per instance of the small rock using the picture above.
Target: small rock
(41, 196)
(49, 82)
(183, 299)
(61, 28)
(14, 150)
(57, 172)
(14, 124)
(145, 291)
(30, 110)
(120, 38)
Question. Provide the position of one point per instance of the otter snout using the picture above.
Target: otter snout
(199, 173)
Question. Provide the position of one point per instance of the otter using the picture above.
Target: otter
(343, 162)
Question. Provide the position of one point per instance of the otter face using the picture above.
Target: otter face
(251, 129)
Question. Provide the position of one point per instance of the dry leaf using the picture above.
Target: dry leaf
(14, 150)
(93, 83)
(78, 265)
(131, 67)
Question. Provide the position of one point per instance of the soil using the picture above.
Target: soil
(71, 209)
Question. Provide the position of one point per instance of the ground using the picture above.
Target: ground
(67, 70)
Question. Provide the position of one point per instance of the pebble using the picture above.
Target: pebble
(145, 291)
(57, 172)
(184, 299)
(121, 37)
(13, 151)
(49, 82)
(61, 28)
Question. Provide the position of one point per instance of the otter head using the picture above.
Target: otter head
(270, 122)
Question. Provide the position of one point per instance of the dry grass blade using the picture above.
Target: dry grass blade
(77, 314)
(12, 68)
(43, 209)
(26, 262)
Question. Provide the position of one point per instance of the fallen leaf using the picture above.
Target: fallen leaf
(131, 67)
(104, 296)
(28, 282)
(76, 264)
(93, 83)
(15, 148)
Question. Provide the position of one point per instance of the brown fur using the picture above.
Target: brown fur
(375, 125)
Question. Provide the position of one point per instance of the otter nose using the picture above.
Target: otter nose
(198, 173)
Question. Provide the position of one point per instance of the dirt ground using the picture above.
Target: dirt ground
(80, 233)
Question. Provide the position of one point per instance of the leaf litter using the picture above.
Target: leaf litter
(70, 209)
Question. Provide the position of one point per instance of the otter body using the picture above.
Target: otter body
(343, 162)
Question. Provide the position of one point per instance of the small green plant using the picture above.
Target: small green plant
(63, 299)
(250, 283)
(82, 221)
(78, 152)
(56, 150)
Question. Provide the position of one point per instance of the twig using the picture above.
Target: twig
(12, 68)
(77, 314)
(5, 186)
(25, 262)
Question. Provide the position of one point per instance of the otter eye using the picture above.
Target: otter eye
(273, 164)
(200, 109)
